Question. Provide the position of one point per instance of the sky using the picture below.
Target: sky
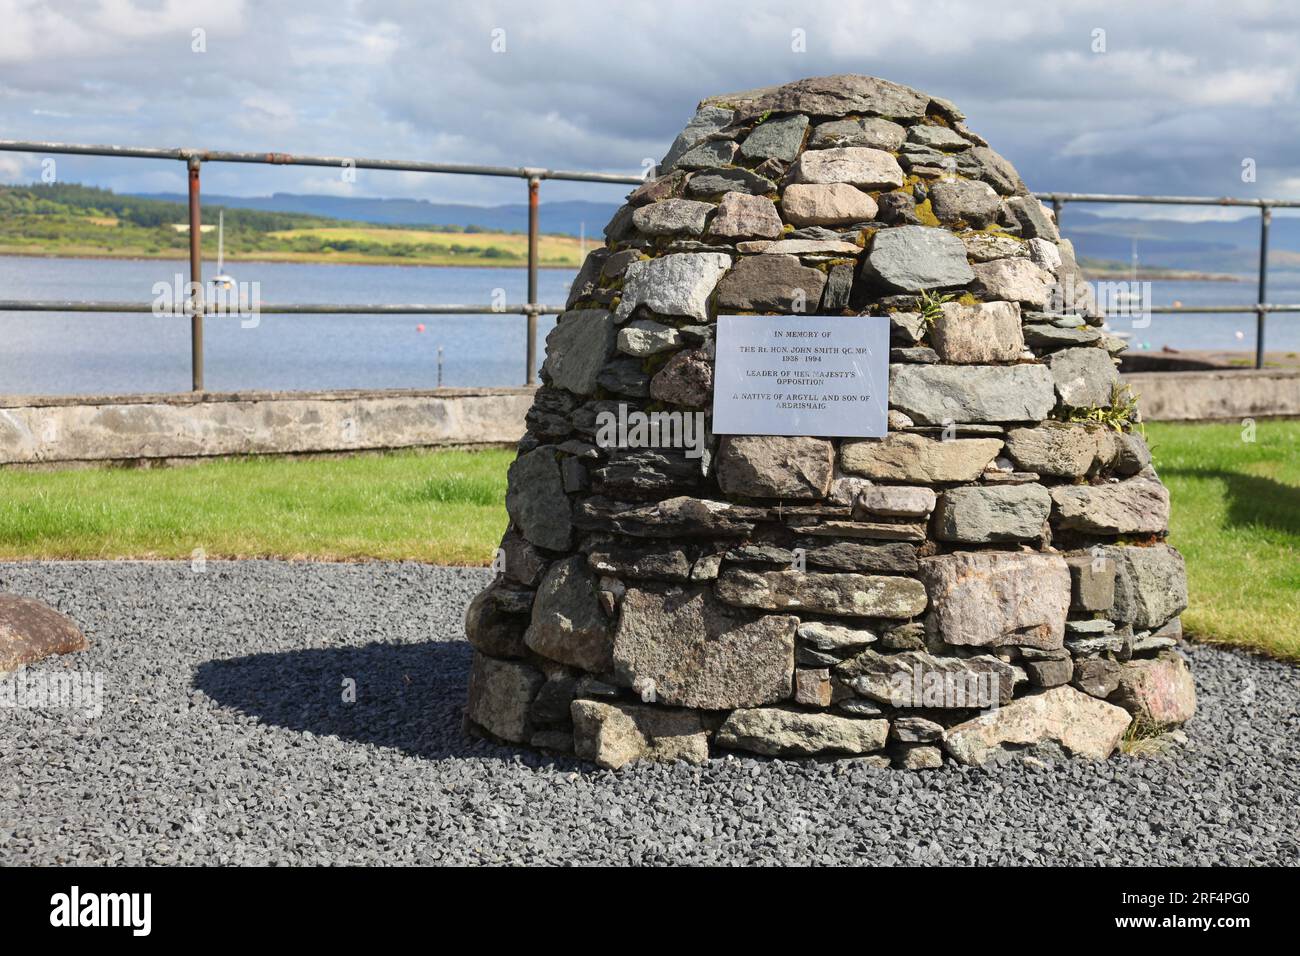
(1149, 97)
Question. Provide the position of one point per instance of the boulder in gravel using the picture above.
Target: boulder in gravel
(31, 630)
(775, 466)
(1158, 691)
(683, 647)
(997, 598)
(615, 734)
(1078, 724)
(785, 732)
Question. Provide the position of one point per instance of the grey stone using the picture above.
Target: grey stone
(706, 121)
(522, 563)
(687, 379)
(778, 138)
(979, 514)
(834, 638)
(915, 730)
(1015, 280)
(1096, 676)
(1132, 453)
(997, 598)
(686, 516)
(1058, 449)
(672, 217)
(536, 502)
(847, 594)
(937, 137)
(667, 186)
(645, 337)
(741, 216)
(895, 501)
(615, 734)
(838, 289)
(990, 166)
(775, 466)
(1051, 337)
(622, 376)
(937, 394)
(771, 283)
(856, 556)
(715, 182)
(965, 201)
(801, 247)
(1150, 585)
(985, 246)
(917, 258)
(812, 687)
(871, 132)
(490, 630)
(1044, 254)
(1085, 378)
(1049, 673)
(826, 204)
(920, 679)
(922, 354)
(916, 458)
(1092, 581)
(906, 326)
(856, 165)
(500, 696)
(874, 530)
(784, 732)
(640, 562)
(1073, 721)
(588, 278)
(692, 650)
(838, 95)
(978, 334)
(577, 349)
(1035, 222)
(568, 624)
(676, 285)
(1138, 505)
(712, 152)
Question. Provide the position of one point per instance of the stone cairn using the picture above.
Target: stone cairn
(992, 576)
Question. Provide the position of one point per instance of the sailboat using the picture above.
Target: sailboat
(221, 280)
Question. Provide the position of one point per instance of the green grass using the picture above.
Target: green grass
(444, 507)
(1236, 518)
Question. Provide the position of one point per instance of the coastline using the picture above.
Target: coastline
(288, 258)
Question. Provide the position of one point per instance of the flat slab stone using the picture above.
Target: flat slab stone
(828, 204)
(920, 679)
(775, 466)
(837, 95)
(868, 131)
(686, 648)
(997, 598)
(1079, 724)
(785, 732)
(614, 734)
(1015, 280)
(771, 283)
(902, 456)
(672, 217)
(979, 514)
(741, 216)
(855, 165)
(778, 138)
(1058, 449)
(938, 394)
(31, 630)
(918, 258)
(895, 501)
(1137, 505)
(848, 594)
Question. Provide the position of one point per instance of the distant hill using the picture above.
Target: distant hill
(566, 217)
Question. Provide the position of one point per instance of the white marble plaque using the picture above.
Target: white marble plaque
(822, 375)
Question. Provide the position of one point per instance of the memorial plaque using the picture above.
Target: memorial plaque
(818, 375)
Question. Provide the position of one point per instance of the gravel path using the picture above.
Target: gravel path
(224, 739)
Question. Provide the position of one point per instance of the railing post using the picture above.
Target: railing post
(196, 279)
(534, 185)
(1058, 207)
(1265, 217)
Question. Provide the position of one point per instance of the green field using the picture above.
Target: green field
(1236, 516)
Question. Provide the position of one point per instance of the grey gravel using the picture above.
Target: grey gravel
(224, 739)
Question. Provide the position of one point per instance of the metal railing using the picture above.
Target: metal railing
(195, 308)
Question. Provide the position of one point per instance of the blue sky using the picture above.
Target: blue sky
(1180, 95)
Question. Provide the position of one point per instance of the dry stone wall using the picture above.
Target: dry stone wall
(989, 577)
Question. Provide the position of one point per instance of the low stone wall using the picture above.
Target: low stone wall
(69, 429)
(1221, 394)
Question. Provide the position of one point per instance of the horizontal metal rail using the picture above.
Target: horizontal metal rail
(197, 310)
